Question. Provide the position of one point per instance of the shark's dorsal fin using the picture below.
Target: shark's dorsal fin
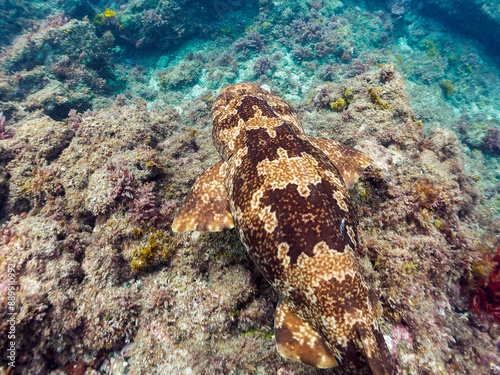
(206, 207)
(349, 161)
(296, 339)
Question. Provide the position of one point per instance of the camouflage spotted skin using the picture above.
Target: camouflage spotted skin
(287, 196)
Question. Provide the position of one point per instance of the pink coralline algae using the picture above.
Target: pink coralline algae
(262, 66)
(108, 142)
(5, 134)
(144, 207)
(252, 41)
(75, 118)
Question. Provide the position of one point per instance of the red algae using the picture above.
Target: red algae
(486, 299)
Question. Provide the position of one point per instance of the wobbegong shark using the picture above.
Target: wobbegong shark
(287, 195)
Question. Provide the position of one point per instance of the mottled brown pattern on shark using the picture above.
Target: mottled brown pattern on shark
(206, 207)
(287, 196)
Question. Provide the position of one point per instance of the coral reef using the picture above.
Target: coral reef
(63, 65)
(95, 258)
(106, 125)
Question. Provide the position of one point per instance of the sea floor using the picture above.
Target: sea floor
(106, 124)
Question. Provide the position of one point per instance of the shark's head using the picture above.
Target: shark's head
(241, 107)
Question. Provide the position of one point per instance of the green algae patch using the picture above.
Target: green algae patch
(158, 247)
(339, 105)
(377, 100)
(431, 47)
(448, 88)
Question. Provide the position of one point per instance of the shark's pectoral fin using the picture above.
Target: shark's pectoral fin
(349, 161)
(206, 207)
(375, 350)
(296, 339)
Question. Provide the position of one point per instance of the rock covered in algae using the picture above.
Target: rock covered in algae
(96, 292)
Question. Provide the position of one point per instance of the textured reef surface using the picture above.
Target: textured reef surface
(105, 125)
